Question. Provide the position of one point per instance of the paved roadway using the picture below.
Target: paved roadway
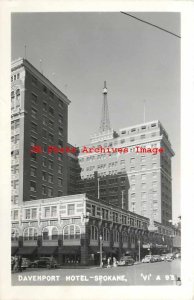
(159, 273)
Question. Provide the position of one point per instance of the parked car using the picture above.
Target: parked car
(163, 257)
(25, 263)
(148, 259)
(169, 256)
(157, 258)
(126, 261)
(44, 262)
(178, 255)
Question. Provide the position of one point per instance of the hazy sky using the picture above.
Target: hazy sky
(139, 62)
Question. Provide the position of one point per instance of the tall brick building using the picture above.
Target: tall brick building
(39, 116)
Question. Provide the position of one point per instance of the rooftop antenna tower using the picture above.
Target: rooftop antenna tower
(105, 122)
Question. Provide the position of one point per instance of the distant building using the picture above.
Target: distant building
(39, 116)
(70, 228)
(139, 182)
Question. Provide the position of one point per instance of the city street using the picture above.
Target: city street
(158, 273)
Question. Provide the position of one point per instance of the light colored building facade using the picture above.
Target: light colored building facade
(39, 116)
(140, 182)
(70, 228)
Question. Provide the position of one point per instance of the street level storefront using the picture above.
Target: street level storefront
(78, 230)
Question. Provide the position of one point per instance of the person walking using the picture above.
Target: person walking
(20, 263)
(108, 262)
(15, 268)
(114, 262)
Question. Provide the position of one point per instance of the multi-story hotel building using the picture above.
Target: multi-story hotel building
(71, 229)
(39, 116)
(140, 182)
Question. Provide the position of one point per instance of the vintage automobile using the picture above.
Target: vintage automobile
(126, 261)
(44, 262)
(148, 259)
(157, 258)
(25, 263)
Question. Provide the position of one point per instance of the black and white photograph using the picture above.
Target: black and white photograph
(95, 148)
(96, 153)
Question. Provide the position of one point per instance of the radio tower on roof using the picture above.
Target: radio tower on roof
(105, 121)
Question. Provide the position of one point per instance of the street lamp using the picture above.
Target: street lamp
(100, 251)
(139, 248)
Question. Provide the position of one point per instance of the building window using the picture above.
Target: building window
(50, 192)
(34, 80)
(15, 214)
(60, 193)
(44, 89)
(60, 169)
(51, 111)
(33, 171)
(50, 178)
(70, 209)
(47, 212)
(44, 161)
(27, 213)
(51, 95)
(116, 236)
(93, 233)
(44, 106)
(53, 211)
(143, 167)
(143, 177)
(54, 233)
(45, 234)
(51, 137)
(60, 156)
(34, 213)
(34, 98)
(50, 164)
(124, 237)
(14, 235)
(106, 234)
(154, 165)
(34, 127)
(60, 131)
(60, 102)
(32, 186)
(17, 98)
(143, 186)
(93, 210)
(60, 181)
(44, 190)
(71, 232)
(34, 113)
(44, 176)
(60, 119)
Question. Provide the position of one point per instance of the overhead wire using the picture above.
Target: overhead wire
(158, 27)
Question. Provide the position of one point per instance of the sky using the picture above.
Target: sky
(139, 62)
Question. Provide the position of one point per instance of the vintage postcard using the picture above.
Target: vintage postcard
(95, 153)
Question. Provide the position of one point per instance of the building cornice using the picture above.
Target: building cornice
(21, 62)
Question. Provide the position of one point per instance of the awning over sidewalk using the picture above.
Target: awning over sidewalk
(109, 250)
(69, 250)
(13, 250)
(26, 250)
(47, 250)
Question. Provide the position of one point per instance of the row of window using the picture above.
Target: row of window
(15, 77)
(46, 108)
(48, 211)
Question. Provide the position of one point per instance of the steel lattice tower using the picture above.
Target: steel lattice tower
(105, 121)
